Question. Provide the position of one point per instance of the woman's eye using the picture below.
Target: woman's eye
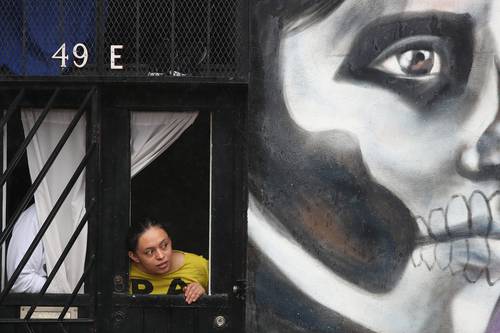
(412, 64)
(148, 252)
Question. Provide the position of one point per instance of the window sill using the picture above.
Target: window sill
(218, 300)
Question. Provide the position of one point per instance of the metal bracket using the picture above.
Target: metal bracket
(240, 289)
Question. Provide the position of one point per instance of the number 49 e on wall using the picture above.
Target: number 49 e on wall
(81, 55)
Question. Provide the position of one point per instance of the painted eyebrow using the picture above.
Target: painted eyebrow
(381, 33)
(453, 40)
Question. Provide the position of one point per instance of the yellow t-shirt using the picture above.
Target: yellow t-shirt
(194, 269)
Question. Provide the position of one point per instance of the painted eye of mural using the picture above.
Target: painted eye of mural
(414, 64)
(421, 57)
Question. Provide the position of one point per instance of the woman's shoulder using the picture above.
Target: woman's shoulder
(191, 258)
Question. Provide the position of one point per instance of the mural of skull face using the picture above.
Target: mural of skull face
(374, 170)
(418, 90)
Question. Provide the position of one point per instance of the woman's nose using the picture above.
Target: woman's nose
(159, 255)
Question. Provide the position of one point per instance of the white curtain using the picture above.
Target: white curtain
(151, 134)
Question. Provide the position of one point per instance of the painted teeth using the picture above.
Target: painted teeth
(442, 251)
(494, 266)
(465, 236)
(417, 255)
(480, 214)
(426, 254)
(422, 226)
(478, 257)
(456, 213)
(495, 208)
(437, 222)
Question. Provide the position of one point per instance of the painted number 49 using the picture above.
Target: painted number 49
(80, 55)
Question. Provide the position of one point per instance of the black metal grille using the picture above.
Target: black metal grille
(82, 104)
(173, 38)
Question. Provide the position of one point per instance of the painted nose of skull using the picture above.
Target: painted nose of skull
(481, 160)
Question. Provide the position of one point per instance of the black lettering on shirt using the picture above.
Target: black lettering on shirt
(140, 286)
(173, 290)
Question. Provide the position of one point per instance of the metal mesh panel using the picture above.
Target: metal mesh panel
(173, 38)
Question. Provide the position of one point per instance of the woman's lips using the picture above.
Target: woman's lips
(162, 265)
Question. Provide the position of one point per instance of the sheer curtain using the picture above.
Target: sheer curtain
(151, 134)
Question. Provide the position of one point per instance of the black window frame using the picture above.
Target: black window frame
(67, 96)
(227, 104)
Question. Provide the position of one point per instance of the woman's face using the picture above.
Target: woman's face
(154, 251)
(416, 82)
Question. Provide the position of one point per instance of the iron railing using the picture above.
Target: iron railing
(65, 301)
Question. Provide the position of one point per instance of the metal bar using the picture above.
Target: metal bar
(46, 321)
(46, 83)
(45, 169)
(167, 301)
(24, 42)
(77, 287)
(209, 33)
(63, 329)
(61, 26)
(46, 224)
(28, 328)
(99, 40)
(210, 200)
(137, 34)
(243, 41)
(12, 108)
(27, 140)
(59, 262)
(92, 185)
(196, 322)
(169, 318)
(172, 37)
(3, 206)
(16, 299)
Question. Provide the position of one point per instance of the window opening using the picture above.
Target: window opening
(175, 188)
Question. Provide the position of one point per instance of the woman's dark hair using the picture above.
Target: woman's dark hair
(138, 228)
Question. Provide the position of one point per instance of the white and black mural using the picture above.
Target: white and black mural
(374, 141)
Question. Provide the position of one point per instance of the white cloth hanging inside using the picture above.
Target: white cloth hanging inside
(151, 134)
